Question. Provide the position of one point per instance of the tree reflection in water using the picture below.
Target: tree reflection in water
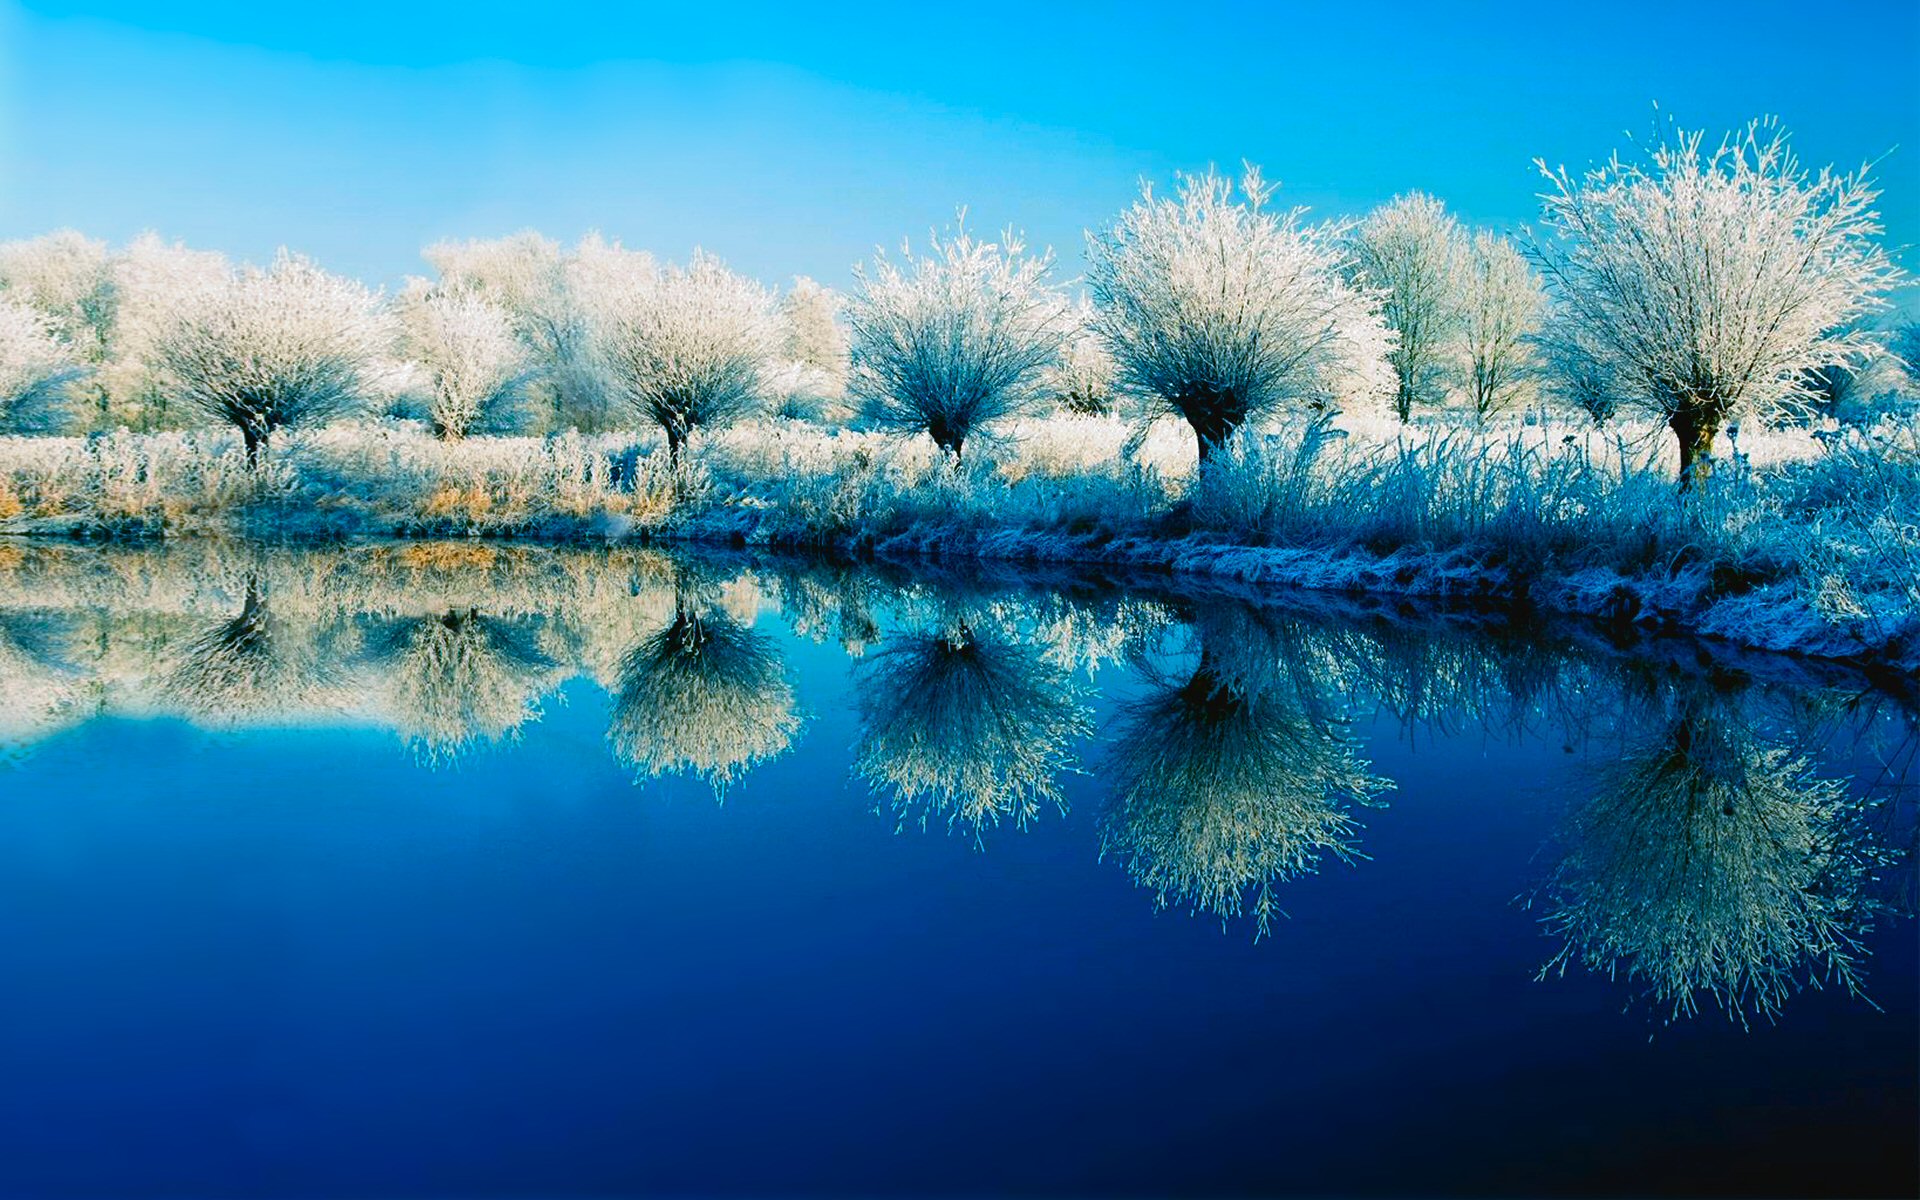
(966, 726)
(452, 682)
(703, 695)
(1712, 861)
(256, 668)
(1234, 778)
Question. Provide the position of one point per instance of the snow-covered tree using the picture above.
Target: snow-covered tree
(265, 349)
(948, 342)
(148, 277)
(465, 346)
(1082, 381)
(36, 368)
(684, 348)
(1715, 282)
(1500, 309)
(1221, 310)
(1414, 254)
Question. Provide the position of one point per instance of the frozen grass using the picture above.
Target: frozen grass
(1805, 540)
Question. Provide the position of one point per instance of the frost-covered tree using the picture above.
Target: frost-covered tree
(1500, 307)
(531, 277)
(472, 361)
(812, 334)
(36, 368)
(148, 277)
(1082, 381)
(948, 342)
(1414, 254)
(65, 277)
(286, 346)
(1715, 282)
(967, 726)
(1221, 310)
(684, 348)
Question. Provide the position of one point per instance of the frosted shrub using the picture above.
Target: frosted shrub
(474, 365)
(262, 350)
(1709, 284)
(35, 371)
(1501, 303)
(1414, 253)
(951, 341)
(684, 348)
(1220, 310)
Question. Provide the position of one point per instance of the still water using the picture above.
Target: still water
(472, 870)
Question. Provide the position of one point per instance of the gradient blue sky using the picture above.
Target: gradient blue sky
(792, 138)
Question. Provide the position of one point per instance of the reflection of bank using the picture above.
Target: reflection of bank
(1711, 860)
(966, 726)
(1235, 777)
(452, 682)
(702, 695)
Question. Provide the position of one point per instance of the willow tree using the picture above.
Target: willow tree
(1234, 778)
(683, 348)
(966, 726)
(1710, 861)
(1713, 283)
(1221, 310)
(288, 346)
(704, 695)
(948, 342)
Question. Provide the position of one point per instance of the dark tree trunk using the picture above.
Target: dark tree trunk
(1214, 415)
(949, 436)
(1403, 402)
(256, 441)
(1694, 431)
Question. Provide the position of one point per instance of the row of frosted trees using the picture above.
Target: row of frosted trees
(1695, 286)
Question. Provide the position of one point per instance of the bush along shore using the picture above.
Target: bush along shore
(1684, 401)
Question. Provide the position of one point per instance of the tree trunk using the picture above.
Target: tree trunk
(1211, 428)
(1695, 432)
(256, 442)
(1403, 402)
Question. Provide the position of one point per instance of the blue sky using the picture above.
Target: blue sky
(792, 139)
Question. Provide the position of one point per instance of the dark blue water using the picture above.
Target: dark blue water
(282, 953)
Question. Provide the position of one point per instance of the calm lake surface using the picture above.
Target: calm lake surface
(491, 870)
